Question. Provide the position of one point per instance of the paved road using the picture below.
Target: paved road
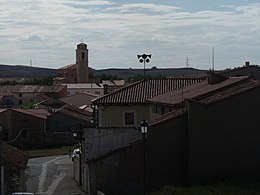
(51, 176)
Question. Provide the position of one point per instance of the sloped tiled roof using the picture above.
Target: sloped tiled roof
(231, 91)
(39, 113)
(83, 85)
(75, 112)
(13, 157)
(113, 82)
(9, 89)
(140, 91)
(68, 66)
(205, 94)
(197, 90)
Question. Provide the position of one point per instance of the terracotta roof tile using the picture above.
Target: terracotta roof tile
(140, 91)
(230, 92)
(197, 90)
(10, 89)
(14, 157)
(39, 113)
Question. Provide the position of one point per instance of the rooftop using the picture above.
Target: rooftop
(68, 66)
(197, 90)
(140, 91)
(14, 157)
(83, 85)
(10, 89)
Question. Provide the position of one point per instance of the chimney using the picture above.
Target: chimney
(105, 86)
(214, 78)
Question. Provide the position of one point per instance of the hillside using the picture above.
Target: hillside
(19, 71)
(170, 72)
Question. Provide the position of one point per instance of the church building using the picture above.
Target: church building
(75, 73)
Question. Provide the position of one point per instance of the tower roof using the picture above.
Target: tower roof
(82, 46)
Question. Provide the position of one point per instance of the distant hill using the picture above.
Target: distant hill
(166, 72)
(19, 71)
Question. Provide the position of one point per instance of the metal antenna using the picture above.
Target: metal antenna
(213, 58)
(187, 61)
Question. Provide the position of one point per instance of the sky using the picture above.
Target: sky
(45, 33)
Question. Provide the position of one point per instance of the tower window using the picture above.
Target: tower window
(83, 54)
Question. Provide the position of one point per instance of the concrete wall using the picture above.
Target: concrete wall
(98, 142)
(122, 171)
(224, 140)
(166, 152)
(118, 173)
(113, 116)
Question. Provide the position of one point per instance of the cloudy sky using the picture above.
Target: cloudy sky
(115, 31)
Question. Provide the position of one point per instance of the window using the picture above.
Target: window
(83, 55)
(162, 110)
(20, 102)
(129, 118)
(20, 94)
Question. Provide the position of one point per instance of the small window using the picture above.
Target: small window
(129, 118)
(162, 110)
(83, 55)
(20, 102)
(20, 94)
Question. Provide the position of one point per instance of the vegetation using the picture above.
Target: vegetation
(28, 105)
(41, 81)
(108, 77)
(51, 151)
(218, 189)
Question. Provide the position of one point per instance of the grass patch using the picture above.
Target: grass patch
(219, 189)
(40, 152)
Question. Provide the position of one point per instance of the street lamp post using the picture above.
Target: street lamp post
(144, 128)
(144, 58)
(78, 135)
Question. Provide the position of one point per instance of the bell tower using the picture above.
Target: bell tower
(82, 63)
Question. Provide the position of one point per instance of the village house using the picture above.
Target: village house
(42, 127)
(211, 135)
(18, 95)
(127, 106)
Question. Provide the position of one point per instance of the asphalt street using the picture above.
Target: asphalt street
(51, 176)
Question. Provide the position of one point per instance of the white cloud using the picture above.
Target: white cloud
(116, 32)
